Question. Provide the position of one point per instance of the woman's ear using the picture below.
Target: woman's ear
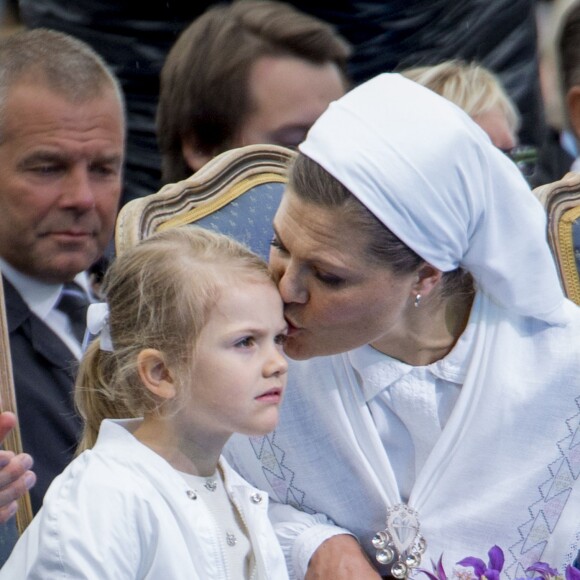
(427, 278)
(155, 374)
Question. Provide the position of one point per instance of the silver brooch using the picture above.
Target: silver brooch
(400, 543)
(210, 485)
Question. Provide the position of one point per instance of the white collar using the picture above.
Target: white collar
(41, 297)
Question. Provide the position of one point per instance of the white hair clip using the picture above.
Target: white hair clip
(98, 324)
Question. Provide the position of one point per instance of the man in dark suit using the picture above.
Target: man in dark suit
(62, 142)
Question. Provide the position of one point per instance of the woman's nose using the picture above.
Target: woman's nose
(291, 287)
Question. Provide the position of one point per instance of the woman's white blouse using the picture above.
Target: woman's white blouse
(504, 470)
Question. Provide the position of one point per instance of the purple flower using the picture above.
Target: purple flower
(490, 571)
(543, 569)
(438, 571)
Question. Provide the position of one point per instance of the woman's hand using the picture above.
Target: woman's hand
(15, 475)
(340, 558)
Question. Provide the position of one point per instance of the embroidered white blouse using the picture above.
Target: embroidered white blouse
(504, 470)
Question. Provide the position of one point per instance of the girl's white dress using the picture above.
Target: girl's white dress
(120, 511)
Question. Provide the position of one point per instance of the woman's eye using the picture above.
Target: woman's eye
(275, 243)
(329, 279)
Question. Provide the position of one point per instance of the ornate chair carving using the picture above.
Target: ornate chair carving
(237, 193)
(562, 202)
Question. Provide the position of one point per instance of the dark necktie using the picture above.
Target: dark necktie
(74, 303)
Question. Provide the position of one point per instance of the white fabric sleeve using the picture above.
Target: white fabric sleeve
(300, 534)
(85, 540)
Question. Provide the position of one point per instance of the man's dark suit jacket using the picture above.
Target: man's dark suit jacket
(44, 371)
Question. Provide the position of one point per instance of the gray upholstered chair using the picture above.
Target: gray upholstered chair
(236, 193)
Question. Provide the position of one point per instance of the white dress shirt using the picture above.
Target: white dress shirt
(42, 298)
(410, 405)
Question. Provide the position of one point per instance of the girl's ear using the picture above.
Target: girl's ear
(155, 374)
(427, 278)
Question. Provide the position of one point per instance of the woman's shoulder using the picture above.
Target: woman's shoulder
(567, 329)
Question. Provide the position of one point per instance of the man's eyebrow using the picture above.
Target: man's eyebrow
(108, 158)
(42, 156)
(60, 157)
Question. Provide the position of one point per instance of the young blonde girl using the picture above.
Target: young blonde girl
(189, 352)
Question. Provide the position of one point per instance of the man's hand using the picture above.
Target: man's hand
(340, 558)
(15, 475)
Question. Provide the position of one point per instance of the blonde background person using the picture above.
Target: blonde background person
(478, 91)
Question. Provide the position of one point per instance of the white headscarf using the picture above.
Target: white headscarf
(433, 177)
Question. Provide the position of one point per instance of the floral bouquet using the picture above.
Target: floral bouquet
(491, 571)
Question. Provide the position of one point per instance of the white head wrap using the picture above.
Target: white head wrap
(433, 177)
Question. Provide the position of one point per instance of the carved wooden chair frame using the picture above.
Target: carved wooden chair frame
(561, 200)
(13, 441)
(221, 181)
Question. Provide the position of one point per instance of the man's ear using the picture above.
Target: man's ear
(573, 106)
(194, 156)
(427, 278)
(155, 375)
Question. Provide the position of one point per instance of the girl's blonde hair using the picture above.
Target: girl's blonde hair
(160, 294)
(472, 87)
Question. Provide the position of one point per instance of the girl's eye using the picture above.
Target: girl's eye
(280, 339)
(245, 342)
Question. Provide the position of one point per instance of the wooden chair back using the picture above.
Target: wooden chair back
(562, 202)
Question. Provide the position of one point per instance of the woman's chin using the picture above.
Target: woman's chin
(296, 349)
